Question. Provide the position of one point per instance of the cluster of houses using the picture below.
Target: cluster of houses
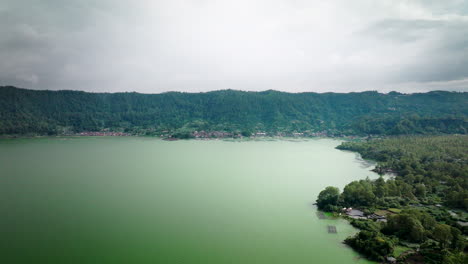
(379, 216)
(102, 133)
(221, 134)
(213, 134)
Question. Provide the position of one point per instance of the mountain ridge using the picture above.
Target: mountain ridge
(24, 111)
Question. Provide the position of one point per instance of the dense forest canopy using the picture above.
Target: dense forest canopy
(439, 163)
(25, 111)
(426, 202)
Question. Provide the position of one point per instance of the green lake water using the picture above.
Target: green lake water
(144, 200)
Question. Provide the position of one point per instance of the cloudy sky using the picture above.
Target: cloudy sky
(153, 46)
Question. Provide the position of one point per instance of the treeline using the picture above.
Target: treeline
(432, 241)
(436, 167)
(425, 203)
(59, 112)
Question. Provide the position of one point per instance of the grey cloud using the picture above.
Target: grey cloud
(438, 48)
(155, 46)
(402, 30)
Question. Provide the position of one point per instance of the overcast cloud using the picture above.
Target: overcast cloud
(288, 45)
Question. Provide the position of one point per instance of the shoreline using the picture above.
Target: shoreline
(344, 138)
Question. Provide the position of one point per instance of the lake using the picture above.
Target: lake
(145, 200)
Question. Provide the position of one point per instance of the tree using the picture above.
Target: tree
(458, 241)
(406, 190)
(443, 234)
(420, 190)
(373, 244)
(457, 198)
(416, 230)
(359, 193)
(246, 133)
(409, 224)
(392, 188)
(328, 198)
(380, 187)
(456, 258)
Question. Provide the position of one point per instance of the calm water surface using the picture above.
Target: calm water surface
(143, 200)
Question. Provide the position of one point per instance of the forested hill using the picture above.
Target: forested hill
(25, 111)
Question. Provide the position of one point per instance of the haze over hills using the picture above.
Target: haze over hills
(24, 111)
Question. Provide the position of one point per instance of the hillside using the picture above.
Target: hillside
(25, 111)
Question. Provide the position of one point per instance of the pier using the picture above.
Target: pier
(332, 229)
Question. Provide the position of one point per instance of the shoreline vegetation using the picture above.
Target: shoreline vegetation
(420, 215)
(191, 135)
(202, 135)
